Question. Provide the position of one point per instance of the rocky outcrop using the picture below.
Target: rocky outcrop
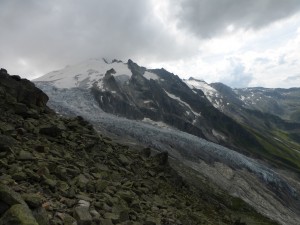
(23, 91)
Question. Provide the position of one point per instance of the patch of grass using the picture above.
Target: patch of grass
(279, 149)
(295, 116)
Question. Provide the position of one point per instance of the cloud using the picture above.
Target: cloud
(293, 78)
(48, 34)
(237, 76)
(207, 18)
(281, 60)
(187, 37)
(262, 60)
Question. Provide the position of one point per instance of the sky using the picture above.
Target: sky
(241, 43)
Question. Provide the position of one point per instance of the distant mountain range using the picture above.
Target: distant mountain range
(165, 112)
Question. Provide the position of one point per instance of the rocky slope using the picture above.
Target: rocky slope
(267, 191)
(57, 170)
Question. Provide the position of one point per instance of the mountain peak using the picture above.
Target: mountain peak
(111, 61)
(199, 80)
(86, 73)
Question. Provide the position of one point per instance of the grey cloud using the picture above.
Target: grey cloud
(40, 36)
(261, 60)
(237, 77)
(54, 33)
(207, 18)
(281, 60)
(293, 78)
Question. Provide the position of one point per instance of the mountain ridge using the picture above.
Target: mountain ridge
(213, 111)
(165, 98)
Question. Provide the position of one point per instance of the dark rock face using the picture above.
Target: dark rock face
(168, 99)
(22, 91)
(52, 131)
(3, 71)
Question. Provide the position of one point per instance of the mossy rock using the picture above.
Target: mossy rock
(33, 200)
(18, 215)
(9, 196)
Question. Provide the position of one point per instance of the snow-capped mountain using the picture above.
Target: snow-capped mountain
(91, 73)
(87, 74)
(211, 94)
(284, 103)
(127, 99)
(212, 111)
(131, 91)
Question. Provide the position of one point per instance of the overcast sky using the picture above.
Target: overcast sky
(238, 42)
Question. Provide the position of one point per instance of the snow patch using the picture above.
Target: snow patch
(184, 103)
(156, 123)
(150, 76)
(218, 135)
(210, 93)
(201, 85)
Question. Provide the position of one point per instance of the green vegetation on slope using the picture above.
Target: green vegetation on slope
(278, 149)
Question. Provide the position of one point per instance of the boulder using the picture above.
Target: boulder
(9, 196)
(124, 160)
(101, 185)
(25, 111)
(126, 196)
(81, 181)
(106, 222)
(25, 155)
(82, 215)
(52, 131)
(6, 128)
(68, 220)
(152, 220)
(41, 216)
(84, 203)
(6, 143)
(18, 215)
(50, 182)
(33, 200)
(19, 176)
(114, 217)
